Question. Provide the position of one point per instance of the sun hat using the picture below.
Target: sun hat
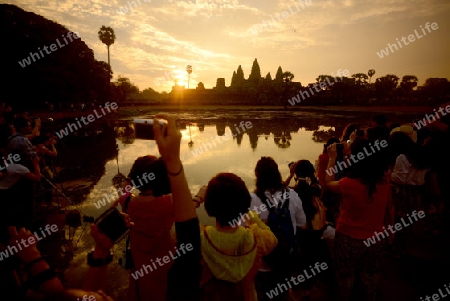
(408, 130)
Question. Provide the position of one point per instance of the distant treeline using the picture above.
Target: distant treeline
(44, 62)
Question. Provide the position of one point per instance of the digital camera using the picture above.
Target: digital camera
(143, 128)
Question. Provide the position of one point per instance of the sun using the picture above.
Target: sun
(180, 77)
(181, 83)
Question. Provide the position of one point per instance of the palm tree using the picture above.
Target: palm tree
(107, 36)
(189, 71)
(371, 72)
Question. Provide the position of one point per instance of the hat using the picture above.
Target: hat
(408, 130)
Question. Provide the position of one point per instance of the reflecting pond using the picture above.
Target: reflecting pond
(224, 142)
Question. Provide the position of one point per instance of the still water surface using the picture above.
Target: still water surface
(220, 144)
(226, 156)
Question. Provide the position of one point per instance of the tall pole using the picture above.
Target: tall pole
(189, 71)
(109, 64)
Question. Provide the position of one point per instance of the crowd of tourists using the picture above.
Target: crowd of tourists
(27, 150)
(281, 241)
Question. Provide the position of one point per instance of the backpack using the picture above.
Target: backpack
(280, 223)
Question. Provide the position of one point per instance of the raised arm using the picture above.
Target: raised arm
(184, 276)
(329, 178)
(169, 148)
(291, 175)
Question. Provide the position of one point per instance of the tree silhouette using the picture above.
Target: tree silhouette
(107, 36)
(360, 79)
(123, 88)
(287, 77)
(408, 83)
(200, 86)
(371, 73)
(323, 79)
(386, 85)
(435, 89)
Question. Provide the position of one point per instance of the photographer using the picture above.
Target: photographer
(184, 275)
(18, 140)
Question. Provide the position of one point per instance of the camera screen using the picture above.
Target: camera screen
(112, 224)
(144, 131)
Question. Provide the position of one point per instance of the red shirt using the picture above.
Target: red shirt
(360, 216)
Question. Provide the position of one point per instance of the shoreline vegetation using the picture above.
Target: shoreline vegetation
(130, 110)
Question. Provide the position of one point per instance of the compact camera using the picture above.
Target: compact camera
(112, 224)
(143, 128)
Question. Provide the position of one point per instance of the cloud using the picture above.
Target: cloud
(215, 36)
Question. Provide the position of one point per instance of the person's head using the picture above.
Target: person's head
(226, 198)
(150, 173)
(349, 129)
(307, 190)
(268, 176)
(401, 143)
(407, 129)
(330, 141)
(379, 120)
(22, 125)
(371, 169)
(377, 133)
(304, 169)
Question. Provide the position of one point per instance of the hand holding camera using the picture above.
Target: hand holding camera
(332, 151)
(168, 139)
(144, 128)
(113, 224)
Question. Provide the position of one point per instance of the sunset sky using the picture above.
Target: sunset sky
(157, 39)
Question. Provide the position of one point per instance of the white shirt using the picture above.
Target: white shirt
(13, 174)
(405, 174)
(298, 216)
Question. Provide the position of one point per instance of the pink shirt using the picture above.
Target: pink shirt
(360, 216)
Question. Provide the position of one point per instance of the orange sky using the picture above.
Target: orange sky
(157, 39)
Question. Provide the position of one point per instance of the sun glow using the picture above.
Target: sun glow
(181, 83)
